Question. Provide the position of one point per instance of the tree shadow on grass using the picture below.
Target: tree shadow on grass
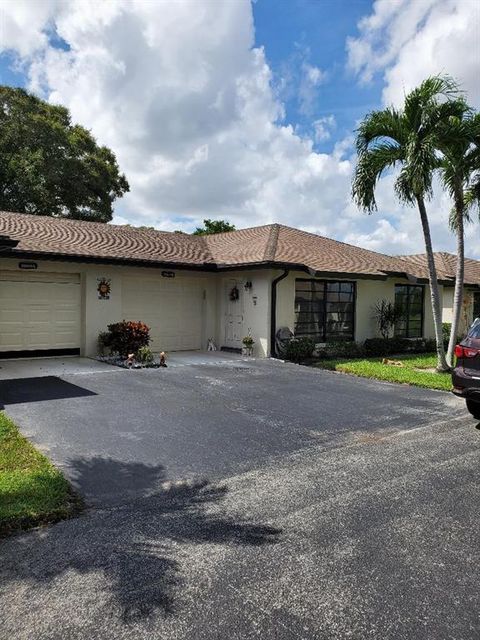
(138, 548)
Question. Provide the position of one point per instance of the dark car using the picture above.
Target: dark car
(466, 374)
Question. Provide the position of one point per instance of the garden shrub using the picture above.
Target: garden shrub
(446, 328)
(383, 346)
(127, 336)
(341, 350)
(392, 346)
(103, 342)
(430, 345)
(298, 349)
(145, 355)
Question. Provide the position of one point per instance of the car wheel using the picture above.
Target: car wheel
(474, 407)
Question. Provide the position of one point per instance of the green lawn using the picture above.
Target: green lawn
(32, 490)
(407, 374)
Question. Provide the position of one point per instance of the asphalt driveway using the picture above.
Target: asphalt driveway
(248, 499)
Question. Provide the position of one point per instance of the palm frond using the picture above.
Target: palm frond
(379, 126)
(372, 163)
(472, 195)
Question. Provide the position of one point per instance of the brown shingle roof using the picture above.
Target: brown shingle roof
(268, 244)
(286, 245)
(445, 263)
(327, 255)
(42, 235)
(58, 236)
(244, 246)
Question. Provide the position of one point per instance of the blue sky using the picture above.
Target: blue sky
(245, 110)
(314, 32)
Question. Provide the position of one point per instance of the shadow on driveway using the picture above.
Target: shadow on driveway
(21, 390)
(135, 547)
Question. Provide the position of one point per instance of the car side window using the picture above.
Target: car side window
(474, 331)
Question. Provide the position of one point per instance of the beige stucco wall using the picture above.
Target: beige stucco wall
(368, 293)
(97, 314)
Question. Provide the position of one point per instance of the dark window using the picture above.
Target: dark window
(476, 304)
(324, 311)
(409, 300)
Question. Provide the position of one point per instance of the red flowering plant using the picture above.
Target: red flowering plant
(127, 336)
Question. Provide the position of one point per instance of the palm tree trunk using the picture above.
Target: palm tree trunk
(459, 277)
(434, 292)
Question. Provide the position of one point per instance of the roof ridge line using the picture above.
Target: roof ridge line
(347, 244)
(271, 246)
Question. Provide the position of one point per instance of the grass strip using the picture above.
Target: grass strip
(409, 373)
(32, 490)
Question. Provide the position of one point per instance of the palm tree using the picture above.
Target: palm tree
(407, 138)
(459, 145)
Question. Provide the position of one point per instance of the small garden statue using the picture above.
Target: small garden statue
(211, 346)
(130, 360)
(162, 359)
(248, 343)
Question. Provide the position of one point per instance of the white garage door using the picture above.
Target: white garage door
(171, 307)
(39, 311)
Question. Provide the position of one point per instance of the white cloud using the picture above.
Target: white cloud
(310, 79)
(23, 25)
(186, 103)
(407, 40)
(323, 128)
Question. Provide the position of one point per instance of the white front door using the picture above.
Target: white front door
(233, 314)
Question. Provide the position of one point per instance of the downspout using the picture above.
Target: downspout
(273, 312)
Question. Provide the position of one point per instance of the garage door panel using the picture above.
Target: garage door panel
(66, 339)
(34, 316)
(69, 316)
(37, 340)
(39, 314)
(12, 316)
(11, 339)
(171, 308)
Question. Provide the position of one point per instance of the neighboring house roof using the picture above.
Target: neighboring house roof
(446, 264)
(267, 245)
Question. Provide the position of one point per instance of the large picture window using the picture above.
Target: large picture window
(409, 301)
(324, 310)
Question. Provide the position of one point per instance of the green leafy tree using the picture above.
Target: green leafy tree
(49, 166)
(459, 146)
(213, 226)
(407, 138)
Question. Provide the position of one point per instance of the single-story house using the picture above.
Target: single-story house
(63, 281)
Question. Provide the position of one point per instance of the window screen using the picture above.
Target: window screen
(325, 310)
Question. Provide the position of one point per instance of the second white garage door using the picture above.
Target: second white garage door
(171, 307)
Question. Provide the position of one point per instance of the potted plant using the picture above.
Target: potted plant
(248, 343)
